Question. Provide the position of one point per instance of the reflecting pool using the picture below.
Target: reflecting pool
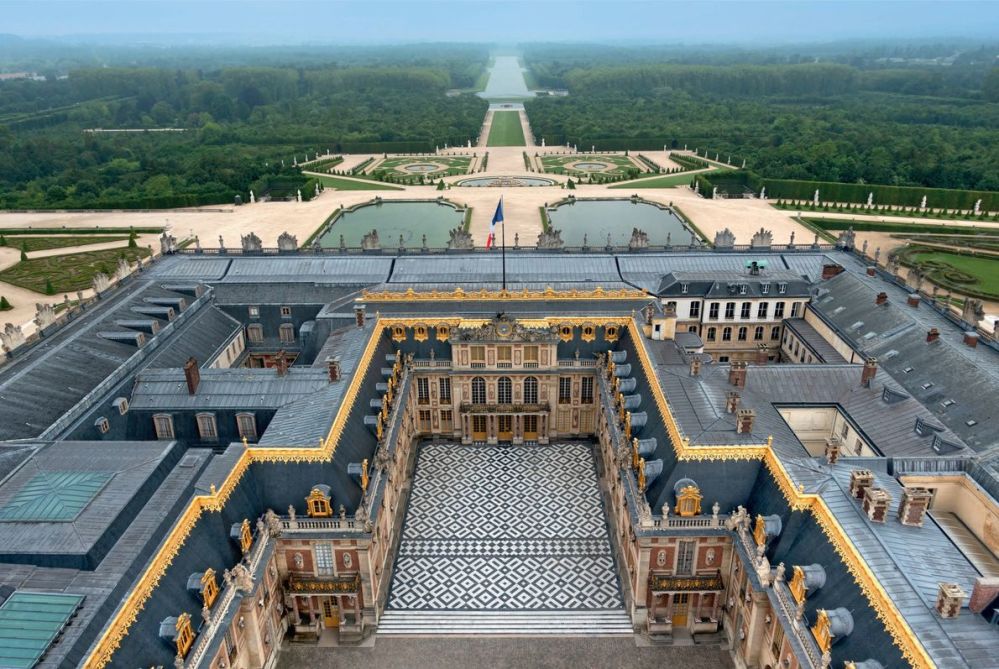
(412, 220)
(597, 218)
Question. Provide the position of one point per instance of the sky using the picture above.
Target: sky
(497, 21)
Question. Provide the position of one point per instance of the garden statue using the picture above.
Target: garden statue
(370, 242)
(253, 200)
(697, 187)
(542, 142)
(298, 195)
(469, 143)
(815, 198)
(460, 240)
(317, 189)
(714, 192)
(724, 239)
(743, 163)
(922, 204)
(669, 239)
(550, 239)
(978, 206)
(763, 193)
(870, 199)
(791, 243)
(639, 240)
(763, 239)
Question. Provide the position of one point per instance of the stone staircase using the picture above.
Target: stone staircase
(597, 622)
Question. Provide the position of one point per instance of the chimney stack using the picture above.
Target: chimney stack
(871, 270)
(932, 335)
(830, 270)
(870, 371)
(986, 589)
(360, 313)
(860, 480)
(281, 363)
(913, 300)
(876, 504)
(832, 449)
(971, 339)
(912, 508)
(192, 374)
(737, 374)
(333, 365)
(695, 366)
(950, 597)
(732, 402)
(762, 354)
(744, 421)
(881, 298)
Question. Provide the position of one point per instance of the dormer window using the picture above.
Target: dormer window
(765, 288)
(743, 288)
(781, 287)
(420, 332)
(684, 287)
(610, 333)
(688, 501)
(398, 333)
(185, 634)
(443, 332)
(254, 312)
(317, 504)
(209, 587)
(927, 385)
(285, 312)
(589, 333)
(122, 405)
(103, 425)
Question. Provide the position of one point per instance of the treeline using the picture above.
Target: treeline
(235, 127)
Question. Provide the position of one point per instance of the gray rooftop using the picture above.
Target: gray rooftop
(813, 340)
(234, 388)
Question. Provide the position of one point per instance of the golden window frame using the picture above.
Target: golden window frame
(209, 587)
(688, 502)
(797, 585)
(185, 634)
(822, 631)
(317, 505)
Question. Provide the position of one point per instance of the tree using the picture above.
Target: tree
(24, 251)
(3, 240)
(49, 288)
(570, 185)
(4, 304)
(440, 185)
(132, 243)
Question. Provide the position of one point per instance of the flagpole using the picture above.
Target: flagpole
(504, 244)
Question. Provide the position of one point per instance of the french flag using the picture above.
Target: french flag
(497, 218)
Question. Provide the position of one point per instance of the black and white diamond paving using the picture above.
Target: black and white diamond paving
(505, 528)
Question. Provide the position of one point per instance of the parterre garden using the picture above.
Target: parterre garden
(598, 167)
(67, 273)
(413, 170)
(964, 272)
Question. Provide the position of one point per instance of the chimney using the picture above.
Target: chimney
(762, 354)
(932, 335)
(913, 300)
(870, 371)
(881, 298)
(832, 450)
(731, 402)
(192, 374)
(860, 480)
(333, 365)
(830, 270)
(744, 421)
(359, 314)
(912, 508)
(871, 270)
(281, 363)
(971, 339)
(695, 366)
(985, 590)
(737, 374)
(950, 597)
(876, 504)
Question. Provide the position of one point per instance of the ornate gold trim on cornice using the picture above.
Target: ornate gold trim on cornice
(549, 293)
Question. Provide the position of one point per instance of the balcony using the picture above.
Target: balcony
(468, 407)
(324, 585)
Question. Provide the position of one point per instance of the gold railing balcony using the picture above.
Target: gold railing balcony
(540, 407)
(324, 585)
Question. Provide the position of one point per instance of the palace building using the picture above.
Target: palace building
(782, 453)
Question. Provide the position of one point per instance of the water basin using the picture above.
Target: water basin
(503, 182)
(412, 220)
(597, 218)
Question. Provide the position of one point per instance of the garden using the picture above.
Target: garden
(599, 168)
(961, 271)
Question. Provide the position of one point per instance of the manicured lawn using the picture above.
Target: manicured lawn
(978, 274)
(506, 130)
(68, 273)
(668, 181)
(590, 165)
(43, 243)
(350, 184)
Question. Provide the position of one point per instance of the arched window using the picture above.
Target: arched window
(504, 390)
(743, 333)
(775, 332)
(530, 390)
(758, 334)
(711, 333)
(727, 334)
(478, 390)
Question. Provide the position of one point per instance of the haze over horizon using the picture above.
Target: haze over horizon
(291, 22)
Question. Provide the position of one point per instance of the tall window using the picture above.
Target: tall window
(747, 308)
(504, 354)
(742, 333)
(695, 309)
(163, 424)
(504, 390)
(564, 390)
(775, 332)
(423, 390)
(794, 309)
(287, 333)
(586, 390)
(761, 311)
(247, 424)
(424, 418)
(478, 390)
(206, 426)
(712, 333)
(685, 558)
(758, 334)
(530, 354)
(255, 333)
(478, 356)
(727, 334)
(324, 558)
(530, 390)
(445, 388)
(779, 310)
(729, 310)
(713, 310)
(447, 420)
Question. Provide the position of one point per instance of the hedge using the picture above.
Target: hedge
(910, 196)
(727, 181)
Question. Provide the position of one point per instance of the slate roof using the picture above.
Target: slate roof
(538, 268)
(728, 284)
(935, 373)
(698, 404)
(646, 270)
(897, 554)
(329, 270)
(233, 388)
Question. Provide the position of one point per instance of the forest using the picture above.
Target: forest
(228, 127)
(853, 119)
